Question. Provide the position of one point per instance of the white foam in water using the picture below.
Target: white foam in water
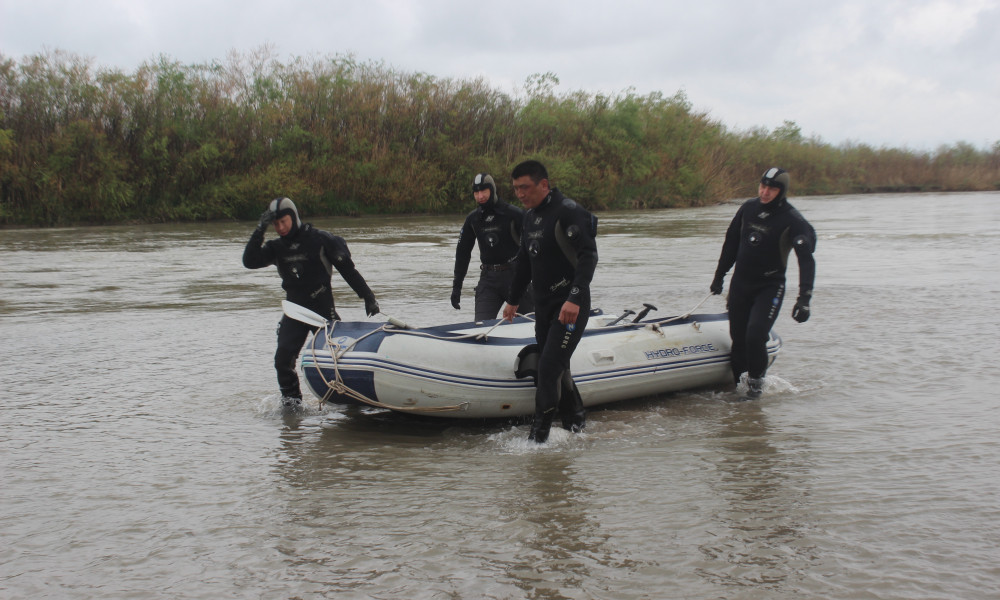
(776, 385)
(272, 406)
(515, 439)
(772, 385)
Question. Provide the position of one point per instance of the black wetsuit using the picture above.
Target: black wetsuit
(305, 259)
(496, 226)
(758, 242)
(558, 255)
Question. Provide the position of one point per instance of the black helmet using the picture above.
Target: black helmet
(776, 177)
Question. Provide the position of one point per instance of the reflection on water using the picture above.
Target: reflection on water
(144, 453)
(388, 502)
(758, 541)
(561, 540)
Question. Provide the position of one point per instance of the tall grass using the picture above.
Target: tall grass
(173, 142)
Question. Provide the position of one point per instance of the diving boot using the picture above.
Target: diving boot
(576, 423)
(755, 387)
(571, 411)
(540, 427)
(574, 418)
(288, 401)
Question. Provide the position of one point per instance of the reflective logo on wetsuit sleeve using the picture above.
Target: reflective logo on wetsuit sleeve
(559, 284)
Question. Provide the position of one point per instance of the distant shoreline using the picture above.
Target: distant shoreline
(200, 143)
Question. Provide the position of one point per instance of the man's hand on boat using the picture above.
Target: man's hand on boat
(509, 312)
(371, 306)
(567, 314)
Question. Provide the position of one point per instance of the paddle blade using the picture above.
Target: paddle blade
(302, 314)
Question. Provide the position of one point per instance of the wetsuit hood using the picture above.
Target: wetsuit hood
(484, 181)
(777, 177)
(285, 206)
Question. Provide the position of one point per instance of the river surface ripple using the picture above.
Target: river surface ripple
(144, 455)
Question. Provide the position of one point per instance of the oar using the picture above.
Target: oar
(302, 314)
(628, 312)
(643, 312)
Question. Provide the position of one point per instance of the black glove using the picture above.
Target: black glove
(801, 310)
(371, 306)
(456, 295)
(716, 287)
(266, 218)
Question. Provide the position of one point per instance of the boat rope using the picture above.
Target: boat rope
(477, 336)
(688, 313)
(337, 385)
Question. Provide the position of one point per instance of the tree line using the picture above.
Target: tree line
(175, 142)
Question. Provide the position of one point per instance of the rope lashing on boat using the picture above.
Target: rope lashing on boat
(337, 385)
(688, 313)
(476, 336)
(486, 335)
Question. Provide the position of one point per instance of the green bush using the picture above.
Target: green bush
(172, 142)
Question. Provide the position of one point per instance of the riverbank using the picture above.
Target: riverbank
(182, 143)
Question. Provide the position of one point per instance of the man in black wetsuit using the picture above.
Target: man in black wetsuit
(496, 225)
(558, 256)
(305, 257)
(758, 241)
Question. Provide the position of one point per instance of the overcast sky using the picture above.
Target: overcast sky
(899, 73)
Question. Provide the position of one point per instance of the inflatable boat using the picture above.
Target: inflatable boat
(485, 369)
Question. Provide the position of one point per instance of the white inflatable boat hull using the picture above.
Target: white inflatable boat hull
(468, 370)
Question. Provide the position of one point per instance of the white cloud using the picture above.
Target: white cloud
(937, 23)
